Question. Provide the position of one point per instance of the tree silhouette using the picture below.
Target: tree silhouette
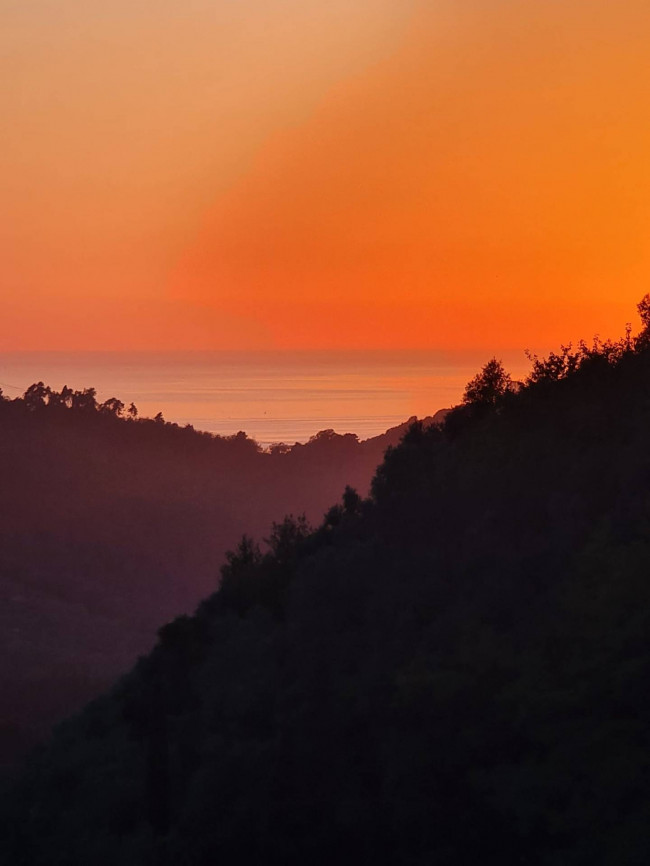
(112, 406)
(351, 500)
(558, 365)
(488, 386)
(36, 396)
(643, 308)
(287, 536)
(85, 401)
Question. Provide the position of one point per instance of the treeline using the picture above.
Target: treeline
(39, 395)
(111, 524)
(452, 670)
(82, 407)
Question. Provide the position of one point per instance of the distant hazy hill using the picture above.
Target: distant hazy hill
(109, 527)
(453, 671)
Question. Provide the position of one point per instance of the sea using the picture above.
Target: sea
(272, 396)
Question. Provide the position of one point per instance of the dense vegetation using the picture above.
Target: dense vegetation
(453, 671)
(111, 524)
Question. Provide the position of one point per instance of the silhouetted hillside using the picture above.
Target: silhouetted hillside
(111, 524)
(453, 671)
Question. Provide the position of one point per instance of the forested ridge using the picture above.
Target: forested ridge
(453, 670)
(111, 524)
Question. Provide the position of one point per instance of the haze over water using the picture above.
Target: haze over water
(272, 396)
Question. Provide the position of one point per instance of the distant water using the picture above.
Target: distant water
(272, 396)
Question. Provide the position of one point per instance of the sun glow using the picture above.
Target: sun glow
(293, 175)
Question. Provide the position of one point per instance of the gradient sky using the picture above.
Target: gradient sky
(299, 174)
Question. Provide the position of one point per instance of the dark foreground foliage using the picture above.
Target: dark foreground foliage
(454, 671)
(111, 524)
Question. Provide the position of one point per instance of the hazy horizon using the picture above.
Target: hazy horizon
(272, 396)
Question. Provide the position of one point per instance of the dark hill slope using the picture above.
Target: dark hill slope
(110, 526)
(453, 672)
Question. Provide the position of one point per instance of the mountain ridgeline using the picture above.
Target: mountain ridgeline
(451, 671)
(112, 524)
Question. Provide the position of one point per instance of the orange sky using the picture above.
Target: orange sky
(360, 173)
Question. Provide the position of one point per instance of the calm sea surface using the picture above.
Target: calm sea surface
(272, 396)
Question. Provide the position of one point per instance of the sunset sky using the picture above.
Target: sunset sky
(258, 174)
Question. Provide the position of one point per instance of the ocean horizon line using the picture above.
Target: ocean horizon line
(271, 396)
